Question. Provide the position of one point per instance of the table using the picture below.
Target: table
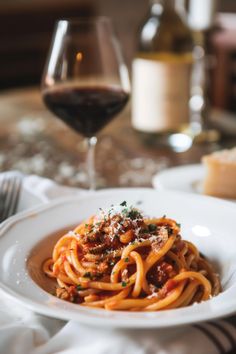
(33, 141)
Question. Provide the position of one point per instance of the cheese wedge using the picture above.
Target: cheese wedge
(220, 180)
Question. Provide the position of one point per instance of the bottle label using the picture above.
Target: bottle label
(161, 92)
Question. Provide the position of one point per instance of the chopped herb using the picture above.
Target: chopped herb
(164, 216)
(179, 225)
(124, 203)
(152, 227)
(79, 287)
(114, 272)
(134, 214)
(125, 211)
(126, 259)
(143, 231)
(124, 284)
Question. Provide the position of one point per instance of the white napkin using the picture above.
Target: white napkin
(23, 332)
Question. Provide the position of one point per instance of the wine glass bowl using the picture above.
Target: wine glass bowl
(85, 82)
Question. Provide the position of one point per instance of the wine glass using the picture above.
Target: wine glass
(85, 81)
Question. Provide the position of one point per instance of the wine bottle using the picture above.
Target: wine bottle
(161, 73)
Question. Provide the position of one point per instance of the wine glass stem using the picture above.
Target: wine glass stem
(91, 143)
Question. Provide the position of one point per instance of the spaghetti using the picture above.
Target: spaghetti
(120, 260)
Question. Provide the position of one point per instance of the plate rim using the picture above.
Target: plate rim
(112, 322)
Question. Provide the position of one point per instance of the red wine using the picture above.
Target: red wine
(85, 109)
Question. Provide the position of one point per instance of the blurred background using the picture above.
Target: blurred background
(26, 28)
(33, 141)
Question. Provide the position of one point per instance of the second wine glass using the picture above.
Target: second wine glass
(85, 82)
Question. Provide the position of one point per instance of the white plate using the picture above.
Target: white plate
(182, 178)
(209, 223)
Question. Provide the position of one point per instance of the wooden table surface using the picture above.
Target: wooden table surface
(33, 141)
